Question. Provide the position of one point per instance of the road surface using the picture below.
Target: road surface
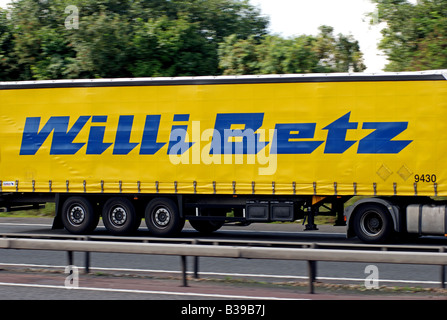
(124, 276)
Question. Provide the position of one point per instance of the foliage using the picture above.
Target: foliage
(126, 38)
(302, 54)
(8, 62)
(148, 38)
(415, 36)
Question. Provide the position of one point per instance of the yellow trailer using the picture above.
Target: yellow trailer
(265, 148)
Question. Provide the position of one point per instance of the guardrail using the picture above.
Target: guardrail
(311, 255)
(233, 242)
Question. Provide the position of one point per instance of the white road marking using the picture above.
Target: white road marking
(25, 224)
(225, 274)
(171, 293)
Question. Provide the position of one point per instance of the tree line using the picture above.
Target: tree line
(141, 38)
(41, 39)
(415, 35)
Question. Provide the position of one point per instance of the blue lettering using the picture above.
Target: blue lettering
(234, 133)
(149, 144)
(249, 141)
(287, 133)
(95, 143)
(122, 144)
(181, 117)
(62, 139)
(177, 144)
(336, 136)
(379, 141)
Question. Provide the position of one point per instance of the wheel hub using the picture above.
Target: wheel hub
(162, 217)
(371, 224)
(374, 223)
(76, 215)
(118, 216)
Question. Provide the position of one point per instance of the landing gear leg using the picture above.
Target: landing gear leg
(310, 219)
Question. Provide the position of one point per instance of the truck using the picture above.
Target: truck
(230, 149)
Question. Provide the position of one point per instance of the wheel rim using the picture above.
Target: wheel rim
(118, 216)
(76, 215)
(371, 223)
(161, 217)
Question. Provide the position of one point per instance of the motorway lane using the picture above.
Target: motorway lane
(15, 286)
(278, 271)
(45, 286)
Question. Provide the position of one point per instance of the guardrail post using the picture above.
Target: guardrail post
(70, 257)
(87, 262)
(312, 271)
(196, 267)
(196, 264)
(87, 258)
(442, 271)
(185, 281)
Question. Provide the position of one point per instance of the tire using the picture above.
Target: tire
(78, 216)
(119, 216)
(163, 218)
(206, 227)
(373, 224)
(209, 226)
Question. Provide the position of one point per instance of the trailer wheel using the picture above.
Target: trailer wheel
(373, 224)
(206, 227)
(209, 226)
(119, 216)
(163, 218)
(78, 216)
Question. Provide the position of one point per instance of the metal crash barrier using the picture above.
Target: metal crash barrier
(311, 255)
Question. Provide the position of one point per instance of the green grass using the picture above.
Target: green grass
(47, 212)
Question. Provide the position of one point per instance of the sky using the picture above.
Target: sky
(296, 17)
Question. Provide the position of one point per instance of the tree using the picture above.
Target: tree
(302, 54)
(238, 56)
(122, 38)
(8, 62)
(164, 47)
(40, 42)
(415, 36)
(280, 56)
(348, 57)
(147, 38)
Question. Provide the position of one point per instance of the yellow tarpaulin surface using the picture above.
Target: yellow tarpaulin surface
(320, 138)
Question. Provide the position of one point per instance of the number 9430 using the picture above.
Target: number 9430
(428, 178)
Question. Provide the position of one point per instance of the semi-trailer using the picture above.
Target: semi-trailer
(244, 149)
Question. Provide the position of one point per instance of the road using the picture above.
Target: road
(157, 277)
